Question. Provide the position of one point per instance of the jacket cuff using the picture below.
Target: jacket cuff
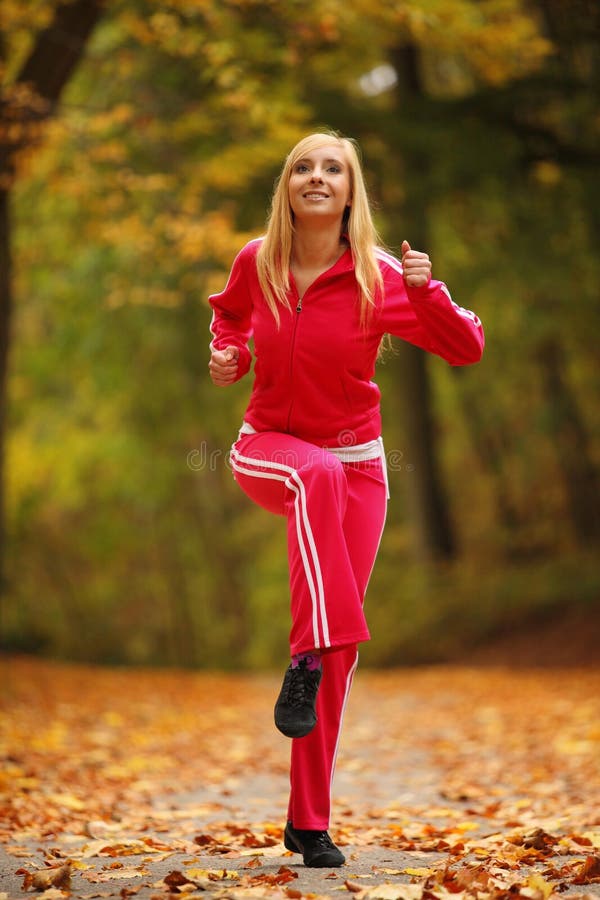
(244, 359)
(244, 362)
(423, 292)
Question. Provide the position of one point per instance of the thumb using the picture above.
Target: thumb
(232, 353)
(405, 247)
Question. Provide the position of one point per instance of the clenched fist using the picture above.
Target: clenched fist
(416, 266)
(223, 366)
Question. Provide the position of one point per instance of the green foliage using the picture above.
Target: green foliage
(129, 540)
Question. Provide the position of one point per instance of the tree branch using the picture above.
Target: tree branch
(33, 97)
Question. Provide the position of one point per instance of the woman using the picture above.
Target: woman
(317, 293)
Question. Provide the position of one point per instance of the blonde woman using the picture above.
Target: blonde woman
(317, 293)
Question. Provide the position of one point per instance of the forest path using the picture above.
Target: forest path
(477, 782)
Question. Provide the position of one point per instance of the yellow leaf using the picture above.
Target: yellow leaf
(419, 871)
(466, 826)
(68, 800)
(537, 888)
(220, 874)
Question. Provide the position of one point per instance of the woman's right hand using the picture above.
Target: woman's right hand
(223, 366)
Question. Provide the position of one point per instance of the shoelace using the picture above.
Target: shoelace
(302, 685)
(324, 840)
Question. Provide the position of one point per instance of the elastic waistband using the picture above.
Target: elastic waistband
(355, 453)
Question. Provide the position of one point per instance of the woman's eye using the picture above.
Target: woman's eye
(301, 167)
(335, 169)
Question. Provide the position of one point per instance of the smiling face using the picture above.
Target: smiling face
(320, 184)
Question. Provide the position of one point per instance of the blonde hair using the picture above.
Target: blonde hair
(274, 256)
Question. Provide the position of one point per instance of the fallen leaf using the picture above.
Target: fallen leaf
(589, 871)
(393, 892)
(20, 853)
(48, 878)
(55, 893)
(593, 837)
(419, 872)
(114, 874)
(537, 888)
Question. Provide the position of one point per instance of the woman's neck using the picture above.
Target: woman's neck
(316, 248)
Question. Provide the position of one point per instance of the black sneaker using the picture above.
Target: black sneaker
(316, 847)
(295, 714)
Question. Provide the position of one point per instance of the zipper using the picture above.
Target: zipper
(292, 347)
(299, 301)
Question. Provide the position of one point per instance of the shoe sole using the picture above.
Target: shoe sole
(294, 733)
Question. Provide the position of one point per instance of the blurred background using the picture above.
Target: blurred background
(139, 142)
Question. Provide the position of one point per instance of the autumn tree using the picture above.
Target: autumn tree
(126, 527)
(29, 96)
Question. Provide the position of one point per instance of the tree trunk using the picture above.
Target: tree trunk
(492, 447)
(184, 643)
(572, 445)
(5, 317)
(44, 75)
(435, 537)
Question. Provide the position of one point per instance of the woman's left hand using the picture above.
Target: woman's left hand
(416, 266)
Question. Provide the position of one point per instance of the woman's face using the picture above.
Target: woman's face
(319, 184)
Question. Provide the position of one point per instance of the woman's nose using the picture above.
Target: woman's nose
(316, 175)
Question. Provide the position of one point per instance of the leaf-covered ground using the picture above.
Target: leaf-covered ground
(472, 783)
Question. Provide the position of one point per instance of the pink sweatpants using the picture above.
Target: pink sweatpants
(335, 515)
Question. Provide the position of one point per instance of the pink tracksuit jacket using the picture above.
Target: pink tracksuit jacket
(310, 450)
(313, 375)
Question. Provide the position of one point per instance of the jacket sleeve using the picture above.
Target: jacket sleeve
(430, 319)
(232, 312)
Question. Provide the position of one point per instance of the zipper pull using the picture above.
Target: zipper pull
(299, 307)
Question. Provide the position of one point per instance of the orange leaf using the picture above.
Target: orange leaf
(589, 871)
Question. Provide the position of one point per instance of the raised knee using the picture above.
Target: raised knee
(322, 464)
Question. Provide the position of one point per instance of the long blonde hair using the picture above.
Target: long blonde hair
(274, 256)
